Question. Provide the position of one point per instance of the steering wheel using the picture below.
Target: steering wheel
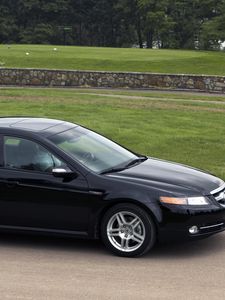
(87, 156)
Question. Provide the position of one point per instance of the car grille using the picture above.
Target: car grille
(219, 195)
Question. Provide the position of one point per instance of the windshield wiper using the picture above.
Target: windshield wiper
(112, 170)
(136, 160)
(133, 162)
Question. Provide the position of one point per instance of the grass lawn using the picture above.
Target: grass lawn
(181, 127)
(112, 59)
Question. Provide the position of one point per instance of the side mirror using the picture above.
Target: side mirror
(64, 173)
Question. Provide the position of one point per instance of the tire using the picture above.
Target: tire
(128, 230)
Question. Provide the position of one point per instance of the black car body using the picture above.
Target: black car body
(78, 201)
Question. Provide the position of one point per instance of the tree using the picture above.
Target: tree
(213, 25)
(116, 23)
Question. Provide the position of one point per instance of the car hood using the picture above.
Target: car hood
(170, 176)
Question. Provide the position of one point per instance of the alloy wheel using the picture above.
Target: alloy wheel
(126, 231)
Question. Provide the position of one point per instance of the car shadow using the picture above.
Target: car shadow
(203, 247)
(173, 250)
(49, 243)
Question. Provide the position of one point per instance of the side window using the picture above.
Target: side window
(27, 155)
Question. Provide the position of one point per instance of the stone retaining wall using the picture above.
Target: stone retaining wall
(66, 78)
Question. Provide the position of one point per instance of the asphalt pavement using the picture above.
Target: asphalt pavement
(54, 268)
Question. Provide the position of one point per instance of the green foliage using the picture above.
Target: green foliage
(41, 34)
(187, 24)
(213, 28)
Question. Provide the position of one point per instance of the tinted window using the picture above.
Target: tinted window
(27, 155)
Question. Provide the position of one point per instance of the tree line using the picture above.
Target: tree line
(183, 24)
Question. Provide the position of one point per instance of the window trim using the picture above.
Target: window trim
(2, 154)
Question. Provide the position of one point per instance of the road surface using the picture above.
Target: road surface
(52, 268)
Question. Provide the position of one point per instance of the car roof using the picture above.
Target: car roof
(41, 126)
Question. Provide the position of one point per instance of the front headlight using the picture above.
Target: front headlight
(185, 201)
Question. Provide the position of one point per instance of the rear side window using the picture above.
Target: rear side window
(27, 155)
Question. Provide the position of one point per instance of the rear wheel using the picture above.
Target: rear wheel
(128, 230)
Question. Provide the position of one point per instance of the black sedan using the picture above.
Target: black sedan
(60, 178)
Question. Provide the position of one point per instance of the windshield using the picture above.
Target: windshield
(92, 150)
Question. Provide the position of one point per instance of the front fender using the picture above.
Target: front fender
(142, 198)
(113, 192)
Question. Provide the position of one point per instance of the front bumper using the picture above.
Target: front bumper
(176, 224)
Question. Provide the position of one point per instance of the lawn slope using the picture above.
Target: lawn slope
(112, 59)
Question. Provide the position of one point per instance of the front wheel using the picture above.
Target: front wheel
(128, 230)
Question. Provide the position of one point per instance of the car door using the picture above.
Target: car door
(31, 197)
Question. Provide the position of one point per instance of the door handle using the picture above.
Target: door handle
(12, 184)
